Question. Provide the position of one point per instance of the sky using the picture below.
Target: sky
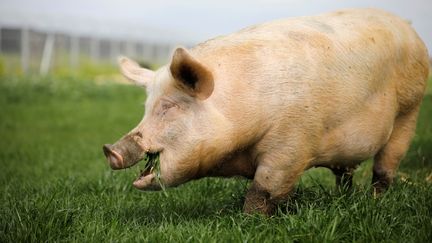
(187, 21)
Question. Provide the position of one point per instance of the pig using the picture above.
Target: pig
(275, 99)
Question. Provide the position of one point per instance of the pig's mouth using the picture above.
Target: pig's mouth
(151, 161)
(121, 158)
(150, 173)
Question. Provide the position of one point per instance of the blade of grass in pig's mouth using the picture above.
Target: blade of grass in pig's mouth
(152, 162)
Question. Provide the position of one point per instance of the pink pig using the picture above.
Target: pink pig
(272, 100)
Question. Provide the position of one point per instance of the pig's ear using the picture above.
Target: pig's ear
(191, 75)
(134, 72)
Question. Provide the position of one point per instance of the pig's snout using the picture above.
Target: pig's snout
(124, 153)
(114, 158)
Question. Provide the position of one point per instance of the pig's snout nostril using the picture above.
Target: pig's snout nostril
(106, 149)
(115, 159)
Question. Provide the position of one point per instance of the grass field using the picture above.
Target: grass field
(55, 184)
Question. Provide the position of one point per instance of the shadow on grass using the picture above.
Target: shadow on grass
(176, 208)
(197, 200)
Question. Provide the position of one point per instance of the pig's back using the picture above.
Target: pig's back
(342, 56)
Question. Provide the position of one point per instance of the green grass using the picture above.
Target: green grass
(55, 184)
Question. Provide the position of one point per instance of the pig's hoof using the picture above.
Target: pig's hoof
(258, 201)
(265, 208)
(344, 177)
(380, 183)
(379, 189)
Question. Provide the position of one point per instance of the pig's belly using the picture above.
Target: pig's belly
(360, 136)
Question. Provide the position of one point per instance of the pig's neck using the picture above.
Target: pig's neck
(236, 164)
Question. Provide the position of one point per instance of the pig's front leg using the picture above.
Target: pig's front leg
(272, 185)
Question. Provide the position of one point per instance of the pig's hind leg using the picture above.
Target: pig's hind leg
(387, 160)
(344, 176)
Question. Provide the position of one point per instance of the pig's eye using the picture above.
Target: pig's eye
(166, 106)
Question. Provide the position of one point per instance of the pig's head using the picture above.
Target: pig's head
(173, 123)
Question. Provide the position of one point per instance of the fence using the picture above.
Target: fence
(33, 51)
